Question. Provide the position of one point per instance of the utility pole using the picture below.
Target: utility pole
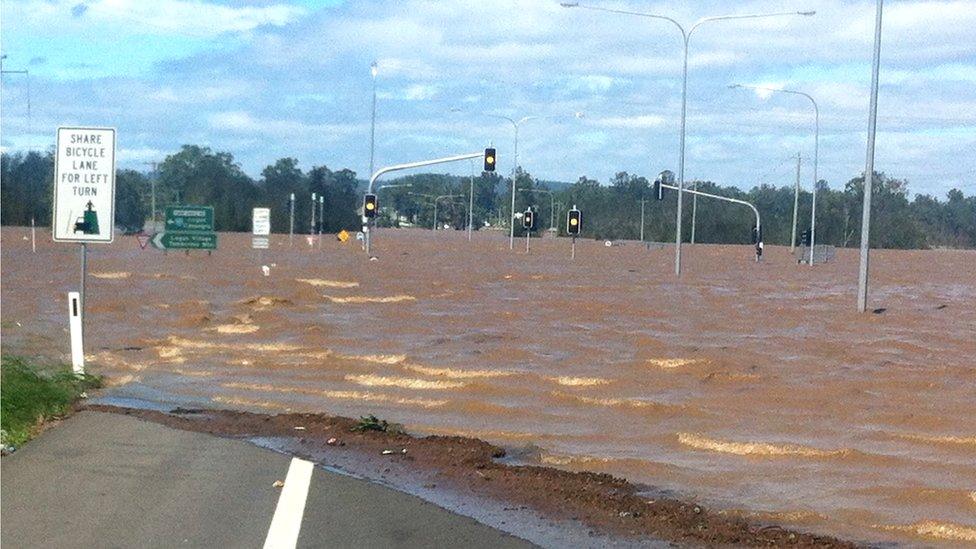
(642, 219)
(152, 185)
(291, 219)
(862, 277)
(311, 228)
(796, 203)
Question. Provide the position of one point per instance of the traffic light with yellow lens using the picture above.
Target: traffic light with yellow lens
(490, 159)
(574, 222)
(370, 205)
(528, 219)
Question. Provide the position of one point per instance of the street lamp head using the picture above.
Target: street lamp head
(373, 68)
(579, 114)
(807, 13)
(569, 4)
(734, 86)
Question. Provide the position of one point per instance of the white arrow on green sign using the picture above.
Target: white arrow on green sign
(184, 241)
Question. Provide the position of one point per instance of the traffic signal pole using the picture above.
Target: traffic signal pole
(734, 201)
(367, 222)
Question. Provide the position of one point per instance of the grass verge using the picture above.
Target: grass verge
(31, 395)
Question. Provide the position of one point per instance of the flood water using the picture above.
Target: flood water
(754, 387)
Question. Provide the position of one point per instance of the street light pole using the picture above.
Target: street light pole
(516, 124)
(686, 36)
(816, 154)
(796, 204)
(642, 219)
(152, 191)
(862, 277)
(471, 202)
(373, 69)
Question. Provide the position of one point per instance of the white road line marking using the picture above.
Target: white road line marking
(287, 521)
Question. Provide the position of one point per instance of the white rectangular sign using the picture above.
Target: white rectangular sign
(260, 242)
(84, 185)
(261, 222)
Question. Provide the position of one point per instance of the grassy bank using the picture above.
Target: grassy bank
(30, 395)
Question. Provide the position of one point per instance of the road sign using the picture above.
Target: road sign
(260, 242)
(143, 239)
(184, 241)
(84, 185)
(261, 222)
(190, 218)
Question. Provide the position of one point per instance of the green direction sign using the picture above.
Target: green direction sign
(189, 218)
(184, 241)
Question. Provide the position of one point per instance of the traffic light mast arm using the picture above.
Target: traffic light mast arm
(420, 164)
(725, 198)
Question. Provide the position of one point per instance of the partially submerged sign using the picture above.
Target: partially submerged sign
(84, 185)
(260, 242)
(184, 241)
(190, 218)
(187, 228)
(261, 222)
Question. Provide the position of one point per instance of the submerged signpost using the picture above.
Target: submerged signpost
(260, 228)
(187, 228)
(84, 192)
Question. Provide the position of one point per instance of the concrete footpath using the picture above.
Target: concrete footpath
(108, 480)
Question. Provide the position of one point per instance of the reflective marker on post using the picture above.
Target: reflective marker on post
(74, 323)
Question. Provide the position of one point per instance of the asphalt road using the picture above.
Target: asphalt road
(108, 480)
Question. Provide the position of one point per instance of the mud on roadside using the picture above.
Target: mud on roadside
(601, 502)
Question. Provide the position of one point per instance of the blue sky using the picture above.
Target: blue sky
(273, 78)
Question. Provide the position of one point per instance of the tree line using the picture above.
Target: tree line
(200, 176)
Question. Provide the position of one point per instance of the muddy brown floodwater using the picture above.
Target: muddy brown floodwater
(754, 387)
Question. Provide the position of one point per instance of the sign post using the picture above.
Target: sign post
(84, 191)
(260, 229)
(187, 228)
(74, 325)
(291, 219)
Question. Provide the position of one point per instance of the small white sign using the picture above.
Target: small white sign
(84, 185)
(259, 242)
(261, 222)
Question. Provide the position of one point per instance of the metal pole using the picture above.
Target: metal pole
(372, 127)
(552, 213)
(434, 228)
(681, 158)
(511, 217)
(816, 158)
(471, 202)
(311, 228)
(573, 256)
(321, 218)
(796, 203)
(291, 219)
(33, 237)
(84, 276)
(642, 220)
(528, 234)
(862, 279)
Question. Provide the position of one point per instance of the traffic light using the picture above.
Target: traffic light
(528, 219)
(658, 190)
(574, 222)
(370, 205)
(489, 159)
(805, 237)
(757, 235)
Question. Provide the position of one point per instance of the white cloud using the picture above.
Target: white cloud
(632, 122)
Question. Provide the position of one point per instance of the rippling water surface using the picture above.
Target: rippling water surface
(754, 387)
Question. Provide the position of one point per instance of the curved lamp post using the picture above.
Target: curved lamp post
(686, 35)
(816, 151)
